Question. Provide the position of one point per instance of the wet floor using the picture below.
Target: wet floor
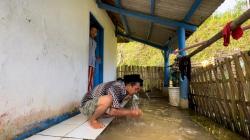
(162, 122)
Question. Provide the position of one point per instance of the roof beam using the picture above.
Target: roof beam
(191, 11)
(123, 18)
(169, 41)
(157, 46)
(155, 19)
(152, 10)
(188, 16)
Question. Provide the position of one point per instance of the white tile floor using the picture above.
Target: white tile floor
(90, 132)
(39, 137)
(74, 128)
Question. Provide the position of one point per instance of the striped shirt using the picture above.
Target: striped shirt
(114, 88)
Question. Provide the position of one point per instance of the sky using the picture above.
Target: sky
(227, 5)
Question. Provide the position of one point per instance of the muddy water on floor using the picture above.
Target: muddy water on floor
(159, 122)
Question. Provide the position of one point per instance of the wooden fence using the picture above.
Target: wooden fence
(152, 76)
(222, 92)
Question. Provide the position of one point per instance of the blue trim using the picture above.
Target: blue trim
(99, 66)
(123, 18)
(98, 73)
(169, 41)
(181, 40)
(142, 41)
(155, 19)
(181, 45)
(38, 127)
(152, 10)
(98, 76)
(194, 7)
(188, 16)
(184, 87)
(150, 30)
(166, 68)
(152, 7)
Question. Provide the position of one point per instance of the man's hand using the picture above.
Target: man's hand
(136, 113)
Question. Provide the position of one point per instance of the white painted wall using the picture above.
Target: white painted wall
(44, 58)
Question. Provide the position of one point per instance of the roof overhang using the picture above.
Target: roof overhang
(155, 22)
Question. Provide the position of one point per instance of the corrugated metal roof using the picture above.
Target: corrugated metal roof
(137, 27)
(173, 9)
(137, 5)
(166, 9)
(161, 34)
(206, 8)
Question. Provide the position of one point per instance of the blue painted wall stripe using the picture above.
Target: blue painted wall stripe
(40, 126)
(155, 19)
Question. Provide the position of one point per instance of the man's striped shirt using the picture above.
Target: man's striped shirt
(114, 88)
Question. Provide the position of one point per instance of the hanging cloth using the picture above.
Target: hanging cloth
(226, 32)
(185, 67)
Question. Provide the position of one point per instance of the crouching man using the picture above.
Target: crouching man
(106, 99)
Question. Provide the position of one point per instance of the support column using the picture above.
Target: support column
(183, 81)
(166, 72)
(166, 68)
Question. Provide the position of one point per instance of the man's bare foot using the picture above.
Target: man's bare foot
(96, 124)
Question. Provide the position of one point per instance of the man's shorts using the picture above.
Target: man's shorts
(89, 107)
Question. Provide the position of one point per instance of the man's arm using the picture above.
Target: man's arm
(125, 112)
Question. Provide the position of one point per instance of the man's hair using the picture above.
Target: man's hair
(132, 79)
(93, 26)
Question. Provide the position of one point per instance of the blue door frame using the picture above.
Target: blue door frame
(98, 75)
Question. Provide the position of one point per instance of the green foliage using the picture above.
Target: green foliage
(212, 26)
(135, 53)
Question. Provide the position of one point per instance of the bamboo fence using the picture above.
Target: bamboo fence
(222, 92)
(152, 76)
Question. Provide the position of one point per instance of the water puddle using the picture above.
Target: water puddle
(162, 122)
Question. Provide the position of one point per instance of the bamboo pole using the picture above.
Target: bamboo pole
(234, 24)
(204, 42)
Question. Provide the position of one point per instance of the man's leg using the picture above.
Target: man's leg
(90, 78)
(104, 102)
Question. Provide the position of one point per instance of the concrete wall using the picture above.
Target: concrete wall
(44, 58)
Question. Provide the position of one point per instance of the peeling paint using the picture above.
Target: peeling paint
(3, 115)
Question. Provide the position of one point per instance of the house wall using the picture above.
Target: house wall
(44, 59)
